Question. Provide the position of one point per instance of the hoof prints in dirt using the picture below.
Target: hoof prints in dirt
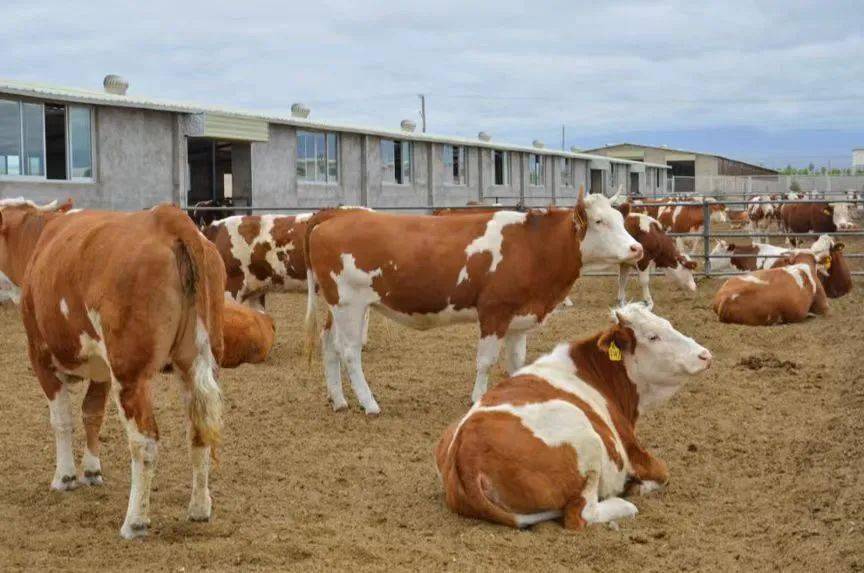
(766, 360)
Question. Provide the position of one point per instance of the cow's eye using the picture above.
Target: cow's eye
(654, 338)
(599, 221)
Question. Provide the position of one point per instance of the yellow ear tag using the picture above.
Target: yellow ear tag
(826, 211)
(828, 263)
(614, 352)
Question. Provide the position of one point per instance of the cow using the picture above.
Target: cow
(738, 219)
(835, 276)
(659, 251)
(650, 207)
(785, 294)
(506, 270)
(760, 255)
(262, 254)
(762, 212)
(112, 298)
(690, 219)
(822, 217)
(558, 438)
(203, 216)
(248, 334)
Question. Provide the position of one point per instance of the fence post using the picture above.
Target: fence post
(706, 235)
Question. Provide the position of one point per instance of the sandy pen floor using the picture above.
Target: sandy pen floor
(765, 452)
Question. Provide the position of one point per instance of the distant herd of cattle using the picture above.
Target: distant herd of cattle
(114, 298)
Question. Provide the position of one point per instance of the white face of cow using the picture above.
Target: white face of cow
(606, 240)
(822, 247)
(681, 277)
(661, 357)
(725, 264)
(841, 216)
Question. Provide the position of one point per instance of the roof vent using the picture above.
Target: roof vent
(408, 125)
(483, 136)
(115, 84)
(539, 144)
(299, 110)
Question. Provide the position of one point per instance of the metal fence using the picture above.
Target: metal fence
(745, 187)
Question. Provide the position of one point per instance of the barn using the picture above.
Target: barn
(112, 149)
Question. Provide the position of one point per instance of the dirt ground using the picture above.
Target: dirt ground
(765, 452)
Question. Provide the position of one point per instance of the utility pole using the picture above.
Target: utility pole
(423, 110)
(563, 132)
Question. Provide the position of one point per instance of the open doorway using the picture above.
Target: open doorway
(634, 184)
(219, 176)
(596, 181)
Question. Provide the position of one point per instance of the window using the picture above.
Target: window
(52, 141)
(612, 177)
(567, 175)
(535, 169)
(396, 161)
(317, 156)
(657, 175)
(501, 159)
(455, 172)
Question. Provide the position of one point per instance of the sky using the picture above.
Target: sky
(768, 82)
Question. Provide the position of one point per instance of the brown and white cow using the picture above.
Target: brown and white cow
(780, 295)
(112, 298)
(690, 219)
(820, 217)
(762, 212)
(248, 334)
(650, 207)
(506, 270)
(834, 274)
(558, 438)
(760, 255)
(262, 254)
(659, 251)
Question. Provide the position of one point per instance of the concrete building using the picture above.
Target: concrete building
(693, 170)
(858, 159)
(110, 150)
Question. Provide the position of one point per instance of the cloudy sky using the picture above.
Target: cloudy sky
(775, 82)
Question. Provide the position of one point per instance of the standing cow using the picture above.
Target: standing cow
(506, 270)
(820, 217)
(691, 219)
(558, 438)
(112, 298)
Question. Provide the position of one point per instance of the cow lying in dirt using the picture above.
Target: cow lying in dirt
(558, 438)
(248, 335)
(778, 295)
(759, 255)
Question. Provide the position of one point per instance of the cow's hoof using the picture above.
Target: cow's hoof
(91, 478)
(65, 483)
(135, 530)
(373, 411)
(201, 512)
(339, 406)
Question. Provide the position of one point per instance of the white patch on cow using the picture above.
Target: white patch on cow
(488, 349)
(611, 509)
(353, 284)
(491, 240)
(645, 222)
(64, 308)
(766, 254)
(840, 215)
(752, 279)
(524, 322)
(73, 211)
(676, 213)
(303, 217)
(734, 296)
(93, 354)
(528, 519)
(798, 272)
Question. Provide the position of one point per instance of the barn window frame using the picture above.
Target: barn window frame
(324, 158)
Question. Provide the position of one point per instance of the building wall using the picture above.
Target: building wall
(134, 153)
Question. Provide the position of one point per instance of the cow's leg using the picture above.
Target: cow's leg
(366, 326)
(332, 366)
(200, 503)
(644, 281)
(651, 472)
(515, 349)
(623, 275)
(348, 321)
(60, 405)
(93, 411)
(135, 407)
(593, 510)
(487, 355)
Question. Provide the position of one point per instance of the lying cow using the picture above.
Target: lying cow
(112, 298)
(836, 278)
(248, 334)
(262, 254)
(558, 438)
(786, 294)
(659, 251)
(506, 270)
(759, 255)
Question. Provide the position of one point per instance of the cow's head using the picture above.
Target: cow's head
(718, 211)
(604, 241)
(840, 216)
(725, 263)
(822, 246)
(681, 275)
(17, 236)
(656, 356)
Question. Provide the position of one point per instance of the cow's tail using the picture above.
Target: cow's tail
(203, 277)
(465, 489)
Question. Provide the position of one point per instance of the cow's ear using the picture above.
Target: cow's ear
(730, 247)
(838, 247)
(625, 209)
(65, 206)
(616, 340)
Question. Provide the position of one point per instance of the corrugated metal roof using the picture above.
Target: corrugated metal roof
(93, 97)
(682, 151)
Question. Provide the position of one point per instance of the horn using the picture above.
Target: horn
(49, 207)
(581, 196)
(614, 197)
